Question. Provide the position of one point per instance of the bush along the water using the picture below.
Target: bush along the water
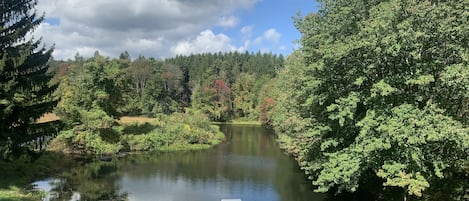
(168, 132)
(17, 194)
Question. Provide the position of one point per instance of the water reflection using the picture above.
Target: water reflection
(249, 166)
(48, 186)
(93, 181)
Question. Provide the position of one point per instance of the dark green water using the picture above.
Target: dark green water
(248, 166)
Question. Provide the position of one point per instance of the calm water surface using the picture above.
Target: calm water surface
(248, 166)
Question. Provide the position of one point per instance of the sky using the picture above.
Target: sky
(165, 28)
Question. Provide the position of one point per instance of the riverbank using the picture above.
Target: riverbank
(16, 194)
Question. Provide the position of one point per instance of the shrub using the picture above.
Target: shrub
(85, 142)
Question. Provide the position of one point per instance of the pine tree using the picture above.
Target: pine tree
(25, 91)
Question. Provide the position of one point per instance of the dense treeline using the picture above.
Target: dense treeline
(227, 85)
(95, 92)
(378, 94)
(222, 85)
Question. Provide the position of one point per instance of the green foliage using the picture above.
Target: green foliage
(222, 85)
(246, 92)
(79, 141)
(380, 87)
(176, 132)
(16, 194)
(266, 102)
(226, 85)
(173, 132)
(296, 134)
(91, 94)
(25, 91)
(213, 98)
(152, 140)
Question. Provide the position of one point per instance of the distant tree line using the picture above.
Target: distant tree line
(221, 85)
(95, 92)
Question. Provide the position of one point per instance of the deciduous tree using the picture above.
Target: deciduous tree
(385, 92)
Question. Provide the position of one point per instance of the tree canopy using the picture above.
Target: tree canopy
(380, 88)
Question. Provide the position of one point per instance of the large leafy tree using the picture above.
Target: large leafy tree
(92, 93)
(91, 100)
(25, 92)
(384, 93)
(140, 72)
(245, 95)
(213, 99)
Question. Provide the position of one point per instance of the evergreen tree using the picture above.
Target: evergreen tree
(25, 92)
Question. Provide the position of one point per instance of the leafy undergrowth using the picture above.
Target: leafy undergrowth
(166, 133)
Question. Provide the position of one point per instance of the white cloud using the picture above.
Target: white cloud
(247, 31)
(142, 27)
(272, 35)
(258, 41)
(206, 41)
(228, 22)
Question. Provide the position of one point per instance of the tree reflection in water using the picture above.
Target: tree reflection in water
(93, 181)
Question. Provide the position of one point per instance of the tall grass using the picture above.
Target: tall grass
(16, 194)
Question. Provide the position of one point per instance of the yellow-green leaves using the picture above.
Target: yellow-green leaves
(421, 80)
(395, 175)
(344, 108)
(390, 80)
(456, 77)
(382, 88)
(417, 137)
(341, 169)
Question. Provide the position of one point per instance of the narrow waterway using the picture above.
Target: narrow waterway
(248, 166)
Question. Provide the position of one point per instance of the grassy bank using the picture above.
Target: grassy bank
(17, 194)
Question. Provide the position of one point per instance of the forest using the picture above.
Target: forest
(184, 94)
(376, 97)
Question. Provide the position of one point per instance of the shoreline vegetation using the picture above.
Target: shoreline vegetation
(137, 132)
(175, 132)
(132, 135)
(14, 193)
(135, 135)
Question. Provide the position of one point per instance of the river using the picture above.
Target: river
(248, 166)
